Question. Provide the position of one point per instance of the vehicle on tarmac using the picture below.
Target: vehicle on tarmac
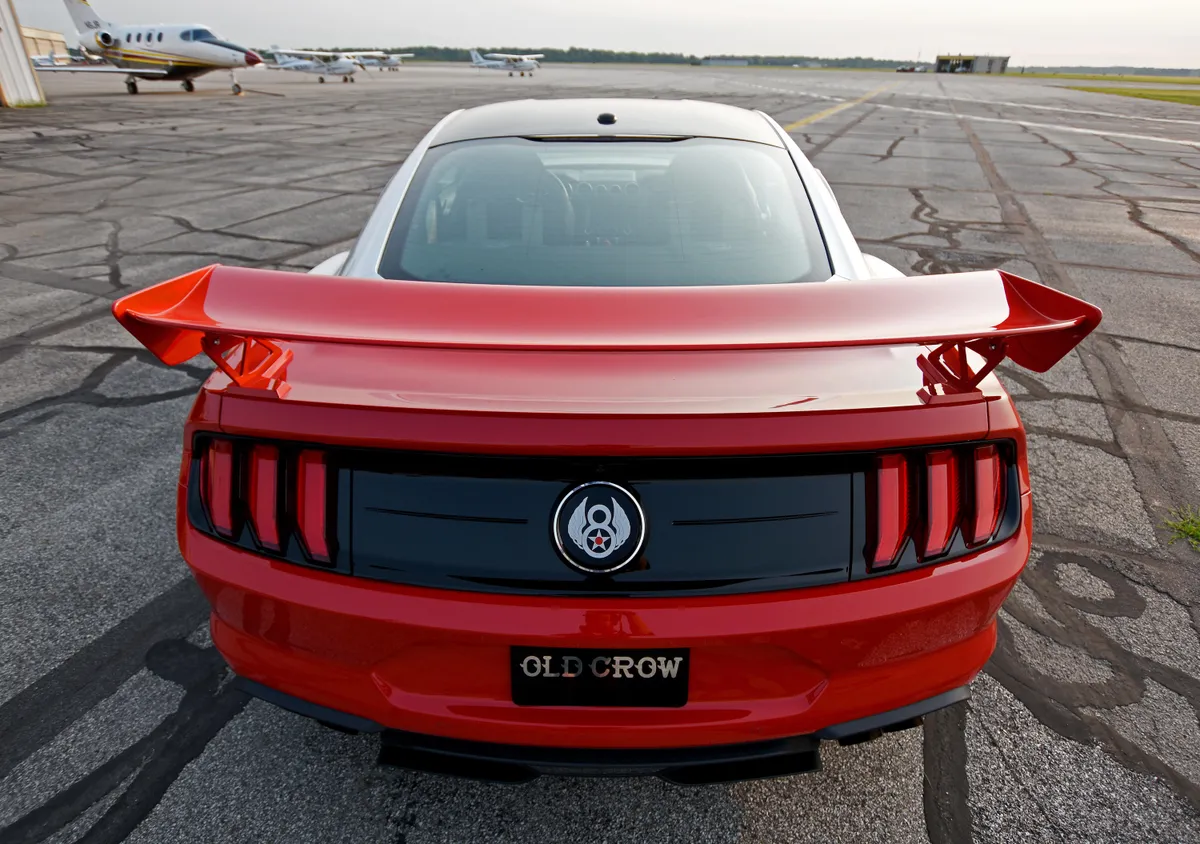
(323, 63)
(605, 449)
(512, 62)
(151, 51)
(384, 61)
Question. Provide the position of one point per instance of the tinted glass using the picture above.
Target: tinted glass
(630, 213)
(203, 35)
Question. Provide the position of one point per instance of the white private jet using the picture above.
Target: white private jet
(386, 61)
(321, 62)
(507, 61)
(153, 51)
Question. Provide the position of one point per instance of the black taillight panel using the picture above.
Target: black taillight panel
(944, 489)
(266, 490)
(427, 519)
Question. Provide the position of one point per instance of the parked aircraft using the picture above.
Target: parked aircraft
(152, 51)
(387, 61)
(323, 63)
(506, 61)
(50, 60)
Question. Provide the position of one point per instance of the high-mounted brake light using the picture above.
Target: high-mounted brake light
(891, 509)
(989, 493)
(217, 471)
(311, 502)
(264, 496)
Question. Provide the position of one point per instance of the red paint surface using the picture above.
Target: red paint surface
(683, 371)
(263, 486)
(763, 665)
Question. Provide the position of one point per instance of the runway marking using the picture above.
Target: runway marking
(1033, 106)
(1054, 127)
(1065, 110)
(832, 110)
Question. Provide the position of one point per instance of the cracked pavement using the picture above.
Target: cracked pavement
(116, 721)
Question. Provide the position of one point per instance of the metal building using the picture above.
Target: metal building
(18, 82)
(43, 42)
(971, 64)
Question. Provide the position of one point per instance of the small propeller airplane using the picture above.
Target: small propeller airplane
(50, 60)
(153, 51)
(507, 61)
(386, 61)
(323, 63)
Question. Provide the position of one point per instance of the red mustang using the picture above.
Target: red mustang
(606, 450)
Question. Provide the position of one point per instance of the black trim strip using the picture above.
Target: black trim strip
(749, 519)
(333, 717)
(500, 520)
(893, 716)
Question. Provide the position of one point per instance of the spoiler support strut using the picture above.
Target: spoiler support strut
(948, 376)
(261, 365)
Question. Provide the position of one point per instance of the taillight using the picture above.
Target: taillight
(891, 509)
(929, 505)
(264, 495)
(281, 493)
(941, 501)
(311, 503)
(989, 493)
(217, 485)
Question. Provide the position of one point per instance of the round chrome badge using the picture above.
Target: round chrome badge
(599, 528)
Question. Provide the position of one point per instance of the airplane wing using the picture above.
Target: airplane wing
(366, 53)
(401, 55)
(84, 68)
(512, 57)
(313, 53)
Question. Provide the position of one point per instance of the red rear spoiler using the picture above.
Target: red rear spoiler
(237, 316)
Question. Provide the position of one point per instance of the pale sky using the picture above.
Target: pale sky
(1156, 33)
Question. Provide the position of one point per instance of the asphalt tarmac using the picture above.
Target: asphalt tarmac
(115, 718)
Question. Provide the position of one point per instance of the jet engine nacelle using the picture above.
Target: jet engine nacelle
(106, 39)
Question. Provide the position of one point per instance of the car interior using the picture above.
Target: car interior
(695, 211)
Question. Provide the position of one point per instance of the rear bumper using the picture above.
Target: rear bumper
(512, 763)
(764, 667)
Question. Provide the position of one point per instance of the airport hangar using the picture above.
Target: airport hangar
(971, 64)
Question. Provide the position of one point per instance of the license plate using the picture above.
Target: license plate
(583, 677)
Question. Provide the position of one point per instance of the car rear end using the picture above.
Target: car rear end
(658, 526)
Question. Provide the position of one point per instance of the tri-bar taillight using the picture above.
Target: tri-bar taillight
(270, 499)
(934, 504)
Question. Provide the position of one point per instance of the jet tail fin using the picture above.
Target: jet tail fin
(87, 22)
(475, 57)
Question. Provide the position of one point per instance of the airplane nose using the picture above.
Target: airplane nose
(253, 58)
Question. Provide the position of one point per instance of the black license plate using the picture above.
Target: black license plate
(583, 677)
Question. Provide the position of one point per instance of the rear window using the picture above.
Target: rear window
(628, 213)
